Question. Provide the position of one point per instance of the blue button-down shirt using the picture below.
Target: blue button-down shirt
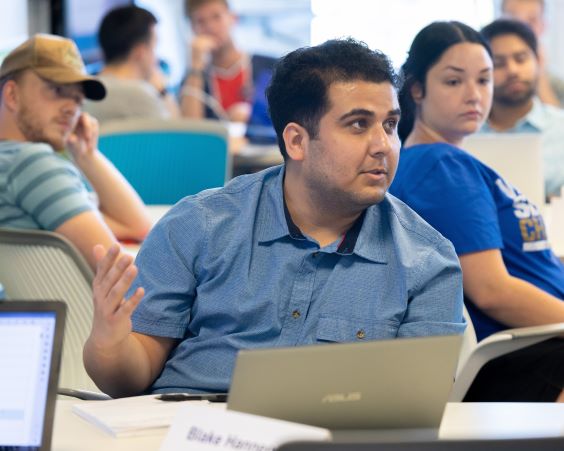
(227, 269)
(549, 121)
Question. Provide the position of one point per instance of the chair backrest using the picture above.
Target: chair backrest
(40, 265)
(496, 345)
(166, 160)
(469, 341)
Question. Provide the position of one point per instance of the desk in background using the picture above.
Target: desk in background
(247, 157)
(253, 158)
(156, 212)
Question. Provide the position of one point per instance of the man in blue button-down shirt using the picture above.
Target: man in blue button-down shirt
(516, 107)
(312, 251)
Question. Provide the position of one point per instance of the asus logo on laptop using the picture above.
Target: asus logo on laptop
(341, 397)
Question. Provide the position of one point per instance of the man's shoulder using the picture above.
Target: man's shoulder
(545, 118)
(25, 148)
(404, 220)
(125, 84)
(16, 153)
(135, 90)
(555, 114)
(240, 194)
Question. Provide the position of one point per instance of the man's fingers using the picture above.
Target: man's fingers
(120, 288)
(104, 262)
(128, 306)
(98, 251)
(119, 268)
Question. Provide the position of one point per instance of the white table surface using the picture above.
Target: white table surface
(156, 212)
(460, 421)
(553, 217)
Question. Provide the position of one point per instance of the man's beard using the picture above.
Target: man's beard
(514, 100)
(34, 132)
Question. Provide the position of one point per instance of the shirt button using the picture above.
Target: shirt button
(360, 334)
(296, 314)
(315, 254)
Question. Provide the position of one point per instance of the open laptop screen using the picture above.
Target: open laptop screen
(30, 345)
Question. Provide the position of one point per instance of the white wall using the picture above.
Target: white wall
(13, 25)
(554, 36)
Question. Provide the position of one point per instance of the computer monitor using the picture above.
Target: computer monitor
(517, 157)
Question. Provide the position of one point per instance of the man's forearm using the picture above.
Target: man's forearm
(118, 200)
(191, 104)
(123, 371)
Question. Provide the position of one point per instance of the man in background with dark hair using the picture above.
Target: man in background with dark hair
(532, 12)
(311, 251)
(135, 84)
(516, 107)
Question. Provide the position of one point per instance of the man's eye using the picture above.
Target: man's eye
(390, 125)
(58, 90)
(359, 124)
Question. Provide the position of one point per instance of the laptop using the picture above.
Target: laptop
(31, 340)
(259, 130)
(517, 157)
(384, 384)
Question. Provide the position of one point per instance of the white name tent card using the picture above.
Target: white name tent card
(198, 427)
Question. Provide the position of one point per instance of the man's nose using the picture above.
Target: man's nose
(380, 141)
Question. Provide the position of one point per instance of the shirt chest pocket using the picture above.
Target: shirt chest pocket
(339, 330)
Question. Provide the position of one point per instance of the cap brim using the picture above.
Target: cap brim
(93, 88)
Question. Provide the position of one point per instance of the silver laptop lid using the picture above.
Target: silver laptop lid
(402, 383)
(31, 337)
(517, 157)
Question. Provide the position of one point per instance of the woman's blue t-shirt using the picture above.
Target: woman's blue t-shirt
(472, 206)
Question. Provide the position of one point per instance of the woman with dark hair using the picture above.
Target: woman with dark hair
(511, 277)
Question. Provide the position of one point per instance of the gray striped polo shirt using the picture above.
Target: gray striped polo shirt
(38, 188)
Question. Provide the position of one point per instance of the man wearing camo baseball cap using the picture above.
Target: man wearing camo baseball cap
(43, 84)
(55, 59)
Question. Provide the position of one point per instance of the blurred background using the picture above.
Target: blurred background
(269, 27)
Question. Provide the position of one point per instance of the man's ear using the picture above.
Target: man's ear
(296, 139)
(137, 52)
(11, 95)
(417, 92)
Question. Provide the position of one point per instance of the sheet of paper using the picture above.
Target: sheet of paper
(139, 415)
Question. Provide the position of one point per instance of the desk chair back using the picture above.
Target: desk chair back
(472, 359)
(166, 160)
(40, 265)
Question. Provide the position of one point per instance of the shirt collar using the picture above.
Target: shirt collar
(365, 238)
(536, 116)
(375, 234)
(271, 217)
(534, 120)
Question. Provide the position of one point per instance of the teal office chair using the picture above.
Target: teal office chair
(168, 159)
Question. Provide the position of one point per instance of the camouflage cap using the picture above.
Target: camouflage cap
(55, 59)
